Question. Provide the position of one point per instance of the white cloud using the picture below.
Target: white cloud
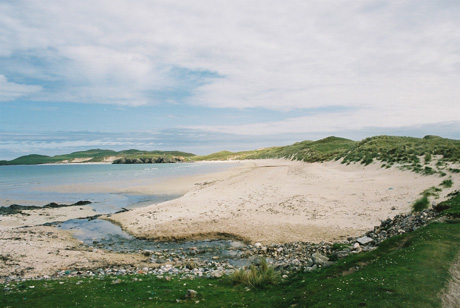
(10, 90)
(327, 123)
(391, 62)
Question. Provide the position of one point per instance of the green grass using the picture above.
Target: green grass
(451, 207)
(447, 183)
(409, 270)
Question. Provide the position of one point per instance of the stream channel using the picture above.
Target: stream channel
(103, 234)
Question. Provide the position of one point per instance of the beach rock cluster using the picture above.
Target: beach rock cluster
(400, 224)
(149, 160)
(18, 209)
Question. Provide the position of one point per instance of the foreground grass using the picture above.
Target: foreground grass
(406, 271)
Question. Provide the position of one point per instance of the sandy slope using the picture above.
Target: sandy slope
(278, 201)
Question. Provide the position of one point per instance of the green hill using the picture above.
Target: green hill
(98, 155)
(308, 151)
(426, 155)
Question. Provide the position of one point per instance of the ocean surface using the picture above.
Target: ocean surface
(36, 184)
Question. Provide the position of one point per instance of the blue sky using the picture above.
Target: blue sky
(204, 76)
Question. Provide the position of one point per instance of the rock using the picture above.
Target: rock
(319, 259)
(309, 262)
(311, 268)
(356, 246)
(343, 254)
(364, 240)
(217, 274)
(191, 294)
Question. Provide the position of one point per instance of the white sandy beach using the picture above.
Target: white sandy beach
(266, 201)
(277, 201)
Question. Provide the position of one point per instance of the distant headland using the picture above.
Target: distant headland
(413, 153)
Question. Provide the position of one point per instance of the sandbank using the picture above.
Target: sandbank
(279, 201)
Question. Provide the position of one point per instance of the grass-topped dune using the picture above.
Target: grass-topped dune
(427, 155)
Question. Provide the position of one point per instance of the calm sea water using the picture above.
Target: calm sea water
(33, 184)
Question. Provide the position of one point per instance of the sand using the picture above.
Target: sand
(38, 251)
(266, 201)
(279, 201)
(28, 249)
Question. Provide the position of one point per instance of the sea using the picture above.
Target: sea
(36, 185)
(39, 184)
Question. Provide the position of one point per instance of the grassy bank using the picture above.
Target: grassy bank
(409, 270)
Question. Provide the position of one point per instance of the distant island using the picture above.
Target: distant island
(411, 153)
(103, 156)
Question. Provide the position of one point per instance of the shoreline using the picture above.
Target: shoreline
(271, 202)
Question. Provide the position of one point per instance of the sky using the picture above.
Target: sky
(209, 75)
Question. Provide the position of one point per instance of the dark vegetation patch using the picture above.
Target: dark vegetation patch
(451, 207)
(17, 209)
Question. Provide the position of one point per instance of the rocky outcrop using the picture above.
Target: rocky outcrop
(149, 160)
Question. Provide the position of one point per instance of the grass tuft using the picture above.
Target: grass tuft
(421, 204)
(257, 276)
(447, 183)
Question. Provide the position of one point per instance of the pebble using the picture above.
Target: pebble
(284, 257)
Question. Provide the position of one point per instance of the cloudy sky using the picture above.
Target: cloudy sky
(208, 75)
